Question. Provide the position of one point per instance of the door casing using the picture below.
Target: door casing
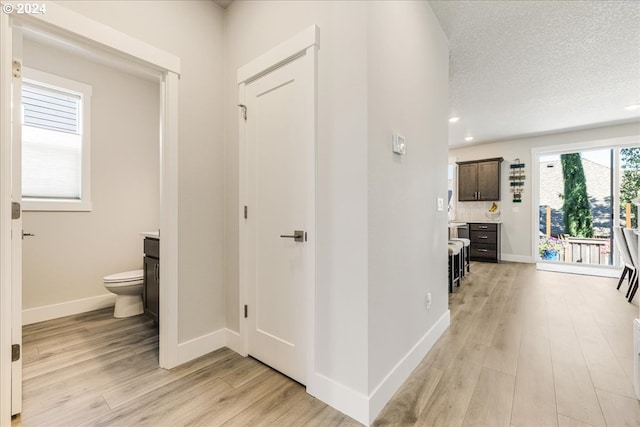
(305, 45)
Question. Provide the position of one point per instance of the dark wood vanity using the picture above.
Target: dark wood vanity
(151, 291)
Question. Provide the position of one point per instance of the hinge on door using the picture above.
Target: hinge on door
(15, 352)
(246, 212)
(15, 210)
(246, 311)
(244, 111)
(17, 69)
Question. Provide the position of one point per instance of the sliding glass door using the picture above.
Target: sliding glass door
(576, 205)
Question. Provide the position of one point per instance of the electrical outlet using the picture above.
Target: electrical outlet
(440, 204)
(428, 300)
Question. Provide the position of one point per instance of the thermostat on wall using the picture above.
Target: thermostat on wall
(398, 144)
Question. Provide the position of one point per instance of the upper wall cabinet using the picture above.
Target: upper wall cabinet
(479, 180)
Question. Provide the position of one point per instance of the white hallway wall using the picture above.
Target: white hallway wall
(516, 228)
(408, 93)
(193, 31)
(252, 28)
(72, 251)
(382, 67)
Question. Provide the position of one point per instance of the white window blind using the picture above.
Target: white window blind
(51, 143)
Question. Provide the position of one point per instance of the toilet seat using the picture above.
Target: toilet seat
(125, 277)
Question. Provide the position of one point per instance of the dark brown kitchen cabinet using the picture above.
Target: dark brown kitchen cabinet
(485, 241)
(151, 290)
(479, 180)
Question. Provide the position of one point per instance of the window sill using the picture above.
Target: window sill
(44, 205)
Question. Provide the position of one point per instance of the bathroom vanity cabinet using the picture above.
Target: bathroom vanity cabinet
(151, 291)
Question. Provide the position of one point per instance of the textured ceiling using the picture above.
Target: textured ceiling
(522, 68)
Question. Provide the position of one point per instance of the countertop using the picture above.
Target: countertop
(152, 234)
(475, 221)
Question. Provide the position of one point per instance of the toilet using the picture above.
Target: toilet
(128, 289)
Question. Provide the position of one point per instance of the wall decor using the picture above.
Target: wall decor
(516, 180)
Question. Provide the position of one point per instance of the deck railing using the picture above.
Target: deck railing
(586, 251)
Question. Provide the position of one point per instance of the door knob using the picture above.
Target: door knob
(298, 236)
(27, 235)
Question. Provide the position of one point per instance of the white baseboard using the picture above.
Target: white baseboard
(201, 345)
(364, 408)
(517, 258)
(398, 375)
(204, 344)
(340, 397)
(54, 311)
(234, 341)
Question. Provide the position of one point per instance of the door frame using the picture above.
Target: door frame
(65, 24)
(305, 44)
(16, 228)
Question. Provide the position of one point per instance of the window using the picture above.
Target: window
(55, 143)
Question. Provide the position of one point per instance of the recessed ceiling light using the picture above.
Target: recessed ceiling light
(453, 119)
(628, 107)
(468, 138)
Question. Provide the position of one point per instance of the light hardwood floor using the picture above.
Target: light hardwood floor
(525, 348)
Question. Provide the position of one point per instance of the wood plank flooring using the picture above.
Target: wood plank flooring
(525, 348)
(94, 370)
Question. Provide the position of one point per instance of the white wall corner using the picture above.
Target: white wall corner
(201, 345)
(69, 308)
(381, 395)
(234, 341)
(340, 397)
(208, 343)
(364, 408)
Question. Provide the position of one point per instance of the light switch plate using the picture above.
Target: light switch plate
(440, 204)
(398, 144)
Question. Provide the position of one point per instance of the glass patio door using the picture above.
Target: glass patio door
(576, 205)
(572, 231)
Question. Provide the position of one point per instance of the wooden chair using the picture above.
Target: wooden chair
(632, 243)
(621, 244)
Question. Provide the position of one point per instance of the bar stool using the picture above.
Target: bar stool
(455, 264)
(467, 253)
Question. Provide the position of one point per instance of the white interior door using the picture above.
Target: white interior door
(280, 154)
(16, 223)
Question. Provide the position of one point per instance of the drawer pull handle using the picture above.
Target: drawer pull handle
(483, 237)
(482, 227)
(483, 250)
